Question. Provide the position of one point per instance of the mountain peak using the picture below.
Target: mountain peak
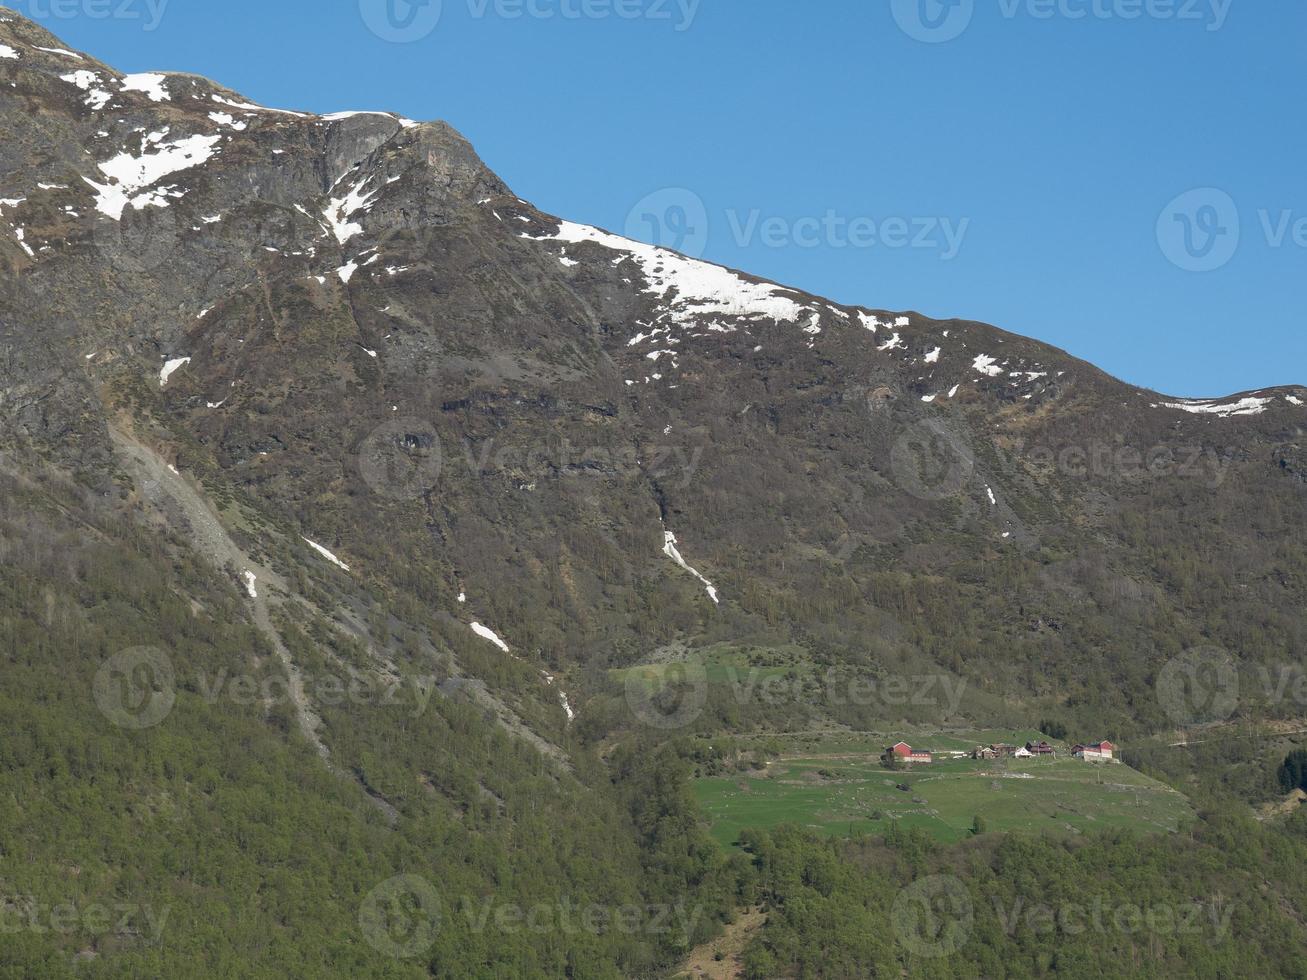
(170, 201)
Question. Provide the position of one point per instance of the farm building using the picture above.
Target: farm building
(1040, 748)
(906, 753)
(1094, 751)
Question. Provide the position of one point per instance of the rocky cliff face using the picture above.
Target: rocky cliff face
(352, 327)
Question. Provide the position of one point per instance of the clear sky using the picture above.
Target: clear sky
(1020, 162)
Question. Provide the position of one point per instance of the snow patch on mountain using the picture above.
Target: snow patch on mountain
(987, 365)
(166, 371)
(700, 288)
(326, 554)
(486, 633)
(1244, 406)
(150, 83)
(672, 552)
(228, 120)
(336, 116)
(97, 97)
(251, 107)
(130, 175)
(341, 209)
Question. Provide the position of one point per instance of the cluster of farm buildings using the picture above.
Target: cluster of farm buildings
(1092, 752)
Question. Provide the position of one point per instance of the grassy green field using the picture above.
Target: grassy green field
(836, 785)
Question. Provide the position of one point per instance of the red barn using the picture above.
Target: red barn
(1094, 751)
(907, 753)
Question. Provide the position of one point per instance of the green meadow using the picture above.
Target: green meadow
(836, 785)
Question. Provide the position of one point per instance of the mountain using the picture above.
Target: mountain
(315, 407)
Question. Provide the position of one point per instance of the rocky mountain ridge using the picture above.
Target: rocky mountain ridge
(350, 323)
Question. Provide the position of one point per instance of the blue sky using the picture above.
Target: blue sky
(1029, 163)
